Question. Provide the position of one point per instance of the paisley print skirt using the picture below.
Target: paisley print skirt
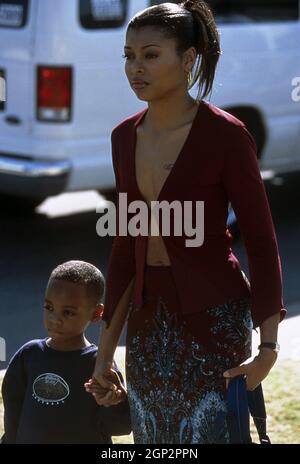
(175, 364)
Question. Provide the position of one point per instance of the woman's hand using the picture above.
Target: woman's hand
(105, 386)
(255, 371)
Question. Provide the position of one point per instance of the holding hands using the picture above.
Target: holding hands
(106, 386)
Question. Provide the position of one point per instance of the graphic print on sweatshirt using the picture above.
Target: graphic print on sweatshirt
(50, 389)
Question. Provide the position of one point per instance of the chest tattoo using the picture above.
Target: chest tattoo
(168, 166)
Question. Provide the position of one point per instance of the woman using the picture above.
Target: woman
(189, 308)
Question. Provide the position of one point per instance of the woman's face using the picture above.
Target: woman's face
(153, 67)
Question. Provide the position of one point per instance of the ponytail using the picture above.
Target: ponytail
(207, 45)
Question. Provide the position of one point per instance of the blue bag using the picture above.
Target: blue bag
(240, 403)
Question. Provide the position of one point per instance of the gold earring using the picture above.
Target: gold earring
(190, 78)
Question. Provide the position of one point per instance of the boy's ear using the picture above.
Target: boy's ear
(97, 314)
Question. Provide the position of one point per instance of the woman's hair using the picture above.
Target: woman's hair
(191, 23)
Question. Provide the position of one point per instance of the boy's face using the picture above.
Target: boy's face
(68, 310)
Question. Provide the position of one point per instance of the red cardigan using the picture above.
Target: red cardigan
(217, 165)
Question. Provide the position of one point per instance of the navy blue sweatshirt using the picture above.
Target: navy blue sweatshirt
(45, 400)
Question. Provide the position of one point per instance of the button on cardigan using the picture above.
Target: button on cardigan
(218, 165)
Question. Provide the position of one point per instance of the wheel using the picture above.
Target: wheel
(110, 195)
(232, 224)
(19, 206)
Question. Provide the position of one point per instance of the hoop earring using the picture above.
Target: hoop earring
(190, 78)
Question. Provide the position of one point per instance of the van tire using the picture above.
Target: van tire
(19, 206)
(253, 120)
(110, 195)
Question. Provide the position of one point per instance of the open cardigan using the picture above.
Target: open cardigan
(218, 165)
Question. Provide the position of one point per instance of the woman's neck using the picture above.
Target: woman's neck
(167, 115)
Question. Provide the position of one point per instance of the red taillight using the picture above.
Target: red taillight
(54, 93)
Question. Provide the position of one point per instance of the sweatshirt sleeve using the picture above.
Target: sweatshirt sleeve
(115, 420)
(13, 393)
(246, 192)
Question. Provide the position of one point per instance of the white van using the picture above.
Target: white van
(66, 88)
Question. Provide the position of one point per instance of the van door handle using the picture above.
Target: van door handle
(13, 120)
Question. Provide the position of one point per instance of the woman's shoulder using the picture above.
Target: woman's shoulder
(127, 124)
(228, 127)
(221, 117)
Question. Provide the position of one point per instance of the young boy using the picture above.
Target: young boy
(43, 389)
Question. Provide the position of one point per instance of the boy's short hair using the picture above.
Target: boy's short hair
(82, 273)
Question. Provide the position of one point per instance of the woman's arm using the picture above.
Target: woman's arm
(119, 285)
(110, 335)
(105, 376)
(245, 189)
(258, 369)
(269, 329)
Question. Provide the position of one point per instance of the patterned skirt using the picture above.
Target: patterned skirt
(175, 364)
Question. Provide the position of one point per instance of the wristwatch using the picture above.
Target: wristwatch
(274, 346)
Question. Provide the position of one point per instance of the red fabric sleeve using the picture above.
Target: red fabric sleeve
(246, 192)
(121, 265)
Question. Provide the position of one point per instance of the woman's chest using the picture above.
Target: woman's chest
(183, 168)
(155, 159)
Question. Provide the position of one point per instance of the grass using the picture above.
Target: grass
(281, 390)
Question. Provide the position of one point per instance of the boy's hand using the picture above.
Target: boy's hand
(104, 396)
(109, 380)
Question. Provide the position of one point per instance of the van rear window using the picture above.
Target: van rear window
(101, 14)
(251, 10)
(13, 13)
(255, 10)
